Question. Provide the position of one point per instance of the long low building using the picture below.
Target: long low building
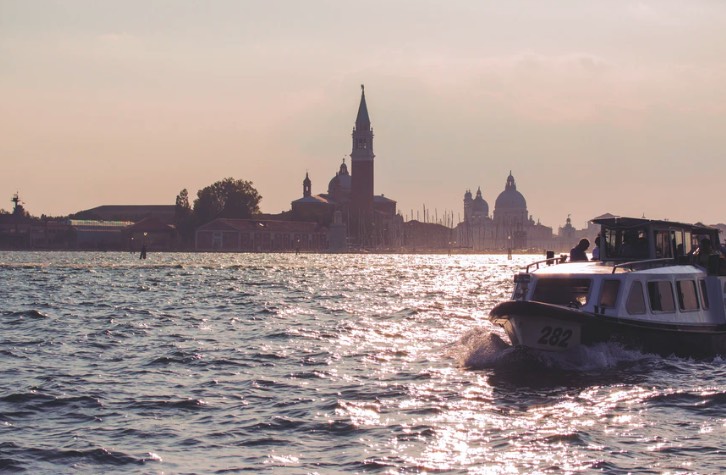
(251, 235)
(134, 213)
(96, 234)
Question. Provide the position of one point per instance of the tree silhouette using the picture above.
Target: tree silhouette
(229, 198)
(184, 218)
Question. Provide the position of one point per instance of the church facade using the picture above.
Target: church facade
(509, 226)
(361, 218)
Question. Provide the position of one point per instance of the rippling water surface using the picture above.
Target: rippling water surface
(277, 363)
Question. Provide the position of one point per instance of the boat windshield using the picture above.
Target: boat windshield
(625, 243)
(562, 291)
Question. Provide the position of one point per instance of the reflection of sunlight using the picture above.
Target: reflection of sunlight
(282, 460)
(472, 431)
(706, 428)
(360, 413)
(451, 448)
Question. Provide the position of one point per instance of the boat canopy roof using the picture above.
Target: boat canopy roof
(633, 239)
(627, 223)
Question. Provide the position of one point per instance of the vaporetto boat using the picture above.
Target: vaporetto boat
(657, 288)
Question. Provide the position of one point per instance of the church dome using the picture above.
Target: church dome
(341, 182)
(510, 198)
(479, 206)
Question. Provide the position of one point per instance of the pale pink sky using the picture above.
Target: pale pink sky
(596, 107)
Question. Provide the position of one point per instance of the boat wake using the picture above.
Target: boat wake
(482, 348)
(602, 356)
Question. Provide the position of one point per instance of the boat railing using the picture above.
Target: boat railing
(549, 261)
(644, 264)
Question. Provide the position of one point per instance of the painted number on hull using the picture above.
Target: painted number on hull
(555, 336)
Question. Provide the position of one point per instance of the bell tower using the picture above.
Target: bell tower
(361, 158)
(307, 186)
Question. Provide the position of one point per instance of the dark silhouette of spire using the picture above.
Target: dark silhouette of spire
(362, 122)
(307, 186)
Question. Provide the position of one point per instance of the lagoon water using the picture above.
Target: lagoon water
(282, 363)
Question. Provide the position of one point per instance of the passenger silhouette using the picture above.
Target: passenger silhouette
(596, 250)
(577, 253)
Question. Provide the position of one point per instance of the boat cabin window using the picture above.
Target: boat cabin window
(679, 246)
(635, 304)
(664, 243)
(626, 243)
(562, 291)
(687, 243)
(609, 293)
(696, 239)
(660, 294)
(687, 295)
(704, 294)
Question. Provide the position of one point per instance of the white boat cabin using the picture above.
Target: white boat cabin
(649, 271)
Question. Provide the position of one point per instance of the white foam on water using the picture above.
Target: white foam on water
(600, 356)
(480, 348)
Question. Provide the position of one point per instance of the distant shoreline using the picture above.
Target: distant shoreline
(457, 252)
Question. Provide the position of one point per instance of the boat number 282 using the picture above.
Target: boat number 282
(555, 336)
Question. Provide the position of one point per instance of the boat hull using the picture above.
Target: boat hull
(555, 328)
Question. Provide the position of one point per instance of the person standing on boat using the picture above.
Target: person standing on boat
(704, 252)
(596, 250)
(577, 253)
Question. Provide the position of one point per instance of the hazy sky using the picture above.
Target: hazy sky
(613, 106)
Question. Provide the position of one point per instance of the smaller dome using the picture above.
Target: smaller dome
(479, 206)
